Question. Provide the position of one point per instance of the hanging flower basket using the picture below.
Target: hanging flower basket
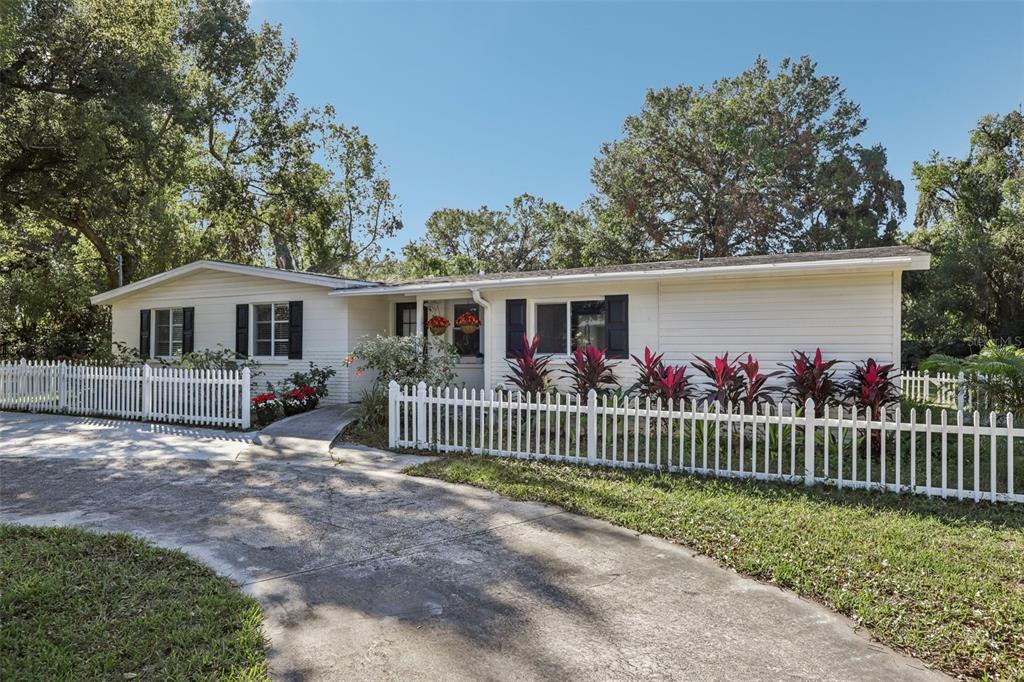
(467, 322)
(437, 325)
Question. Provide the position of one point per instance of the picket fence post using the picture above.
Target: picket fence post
(23, 378)
(62, 387)
(392, 414)
(960, 390)
(592, 426)
(421, 414)
(809, 442)
(147, 390)
(246, 401)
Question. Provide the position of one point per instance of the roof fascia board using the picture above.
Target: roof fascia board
(845, 265)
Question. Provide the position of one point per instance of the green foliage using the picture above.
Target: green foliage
(758, 163)
(995, 376)
(210, 358)
(408, 360)
(316, 378)
(162, 131)
(970, 216)
(528, 234)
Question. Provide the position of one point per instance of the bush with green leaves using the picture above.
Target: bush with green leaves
(407, 360)
(315, 377)
(995, 376)
(213, 358)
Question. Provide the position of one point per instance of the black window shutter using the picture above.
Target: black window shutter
(188, 334)
(144, 331)
(617, 326)
(515, 326)
(242, 329)
(294, 330)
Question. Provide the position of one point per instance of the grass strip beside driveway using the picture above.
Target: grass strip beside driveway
(941, 581)
(81, 605)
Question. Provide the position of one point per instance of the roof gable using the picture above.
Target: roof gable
(313, 279)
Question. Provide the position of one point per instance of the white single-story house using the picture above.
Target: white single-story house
(845, 302)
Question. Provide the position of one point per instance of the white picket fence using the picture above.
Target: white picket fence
(937, 453)
(167, 394)
(941, 389)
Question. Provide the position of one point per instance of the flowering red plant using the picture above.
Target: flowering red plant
(589, 369)
(655, 379)
(530, 372)
(438, 322)
(726, 380)
(301, 393)
(811, 379)
(263, 398)
(467, 319)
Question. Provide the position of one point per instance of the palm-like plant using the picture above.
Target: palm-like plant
(655, 379)
(811, 378)
(995, 375)
(589, 369)
(755, 389)
(530, 371)
(872, 386)
(726, 381)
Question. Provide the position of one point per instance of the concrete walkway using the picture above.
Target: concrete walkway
(308, 434)
(367, 573)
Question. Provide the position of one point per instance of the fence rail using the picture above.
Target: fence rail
(168, 394)
(941, 452)
(941, 389)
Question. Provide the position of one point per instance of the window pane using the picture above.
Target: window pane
(281, 347)
(406, 319)
(551, 327)
(281, 312)
(261, 313)
(177, 320)
(468, 344)
(262, 347)
(588, 324)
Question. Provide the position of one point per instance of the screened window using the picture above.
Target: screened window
(270, 330)
(587, 322)
(581, 323)
(468, 344)
(168, 332)
(552, 327)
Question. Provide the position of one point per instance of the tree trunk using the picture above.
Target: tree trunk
(82, 226)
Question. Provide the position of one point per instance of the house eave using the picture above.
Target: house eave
(313, 279)
(888, 263)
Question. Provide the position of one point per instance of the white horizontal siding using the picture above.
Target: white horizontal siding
(214, 296)
(851, 316)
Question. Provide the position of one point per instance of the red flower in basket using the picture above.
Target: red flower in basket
(467, 322)
(438, 324)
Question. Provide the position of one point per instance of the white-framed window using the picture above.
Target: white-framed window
(270, 330)
(565, 326)
(168, 324)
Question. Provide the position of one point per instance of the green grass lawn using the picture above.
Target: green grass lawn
(80, 605)
(942, 581)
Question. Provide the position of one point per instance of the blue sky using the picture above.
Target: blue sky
(474, 103)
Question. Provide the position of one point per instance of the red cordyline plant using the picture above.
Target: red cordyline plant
(589, 369)
(812, 379)
(530, 372)
(755, 389)
(871, 386)
(726, 379)
(655, 379)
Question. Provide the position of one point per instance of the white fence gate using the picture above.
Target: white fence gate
(941, 389)
(210, 397)
(941, 452)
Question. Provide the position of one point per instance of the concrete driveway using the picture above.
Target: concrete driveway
(366, 573)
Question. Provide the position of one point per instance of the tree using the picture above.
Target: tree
(162, 131)
(758, 163)
(528, 234)
(970, 215)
